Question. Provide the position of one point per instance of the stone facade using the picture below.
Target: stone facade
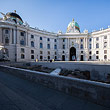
(20, 42)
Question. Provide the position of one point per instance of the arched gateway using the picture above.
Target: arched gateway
(72, 54)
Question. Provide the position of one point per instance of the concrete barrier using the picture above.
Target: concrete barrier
(97, 71)
(90, 90)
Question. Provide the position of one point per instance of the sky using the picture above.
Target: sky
(55, 15)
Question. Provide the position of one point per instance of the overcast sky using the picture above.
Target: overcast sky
(55, 15)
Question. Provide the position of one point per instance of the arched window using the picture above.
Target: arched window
(41, 57)
(41, 45)
(22, 39)
(55, 57)
(48, 46)
(105, 57)
(32, 43)
(55, 40)
(48, 39)
(90, 46)
(22, 56)
(90, 39)
(81, 47)
(48, 57)
(105, 44)
(63, 46)
(55, 46)
(97, 45)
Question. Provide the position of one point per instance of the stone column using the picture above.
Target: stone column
(1, 36)
(84, 42)
(14, 33)
(68, 43)
(79, 43)
(27, 38)
(10, 36)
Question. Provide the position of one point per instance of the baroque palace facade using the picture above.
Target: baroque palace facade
(20, 42)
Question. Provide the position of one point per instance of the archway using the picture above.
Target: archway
(72, 54)
(81, 58)
(63, 57)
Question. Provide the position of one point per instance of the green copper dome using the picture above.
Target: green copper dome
(73, 26)
(14, 16)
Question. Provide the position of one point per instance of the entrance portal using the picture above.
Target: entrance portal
(72, 54)
(63, 57)
(81, 58)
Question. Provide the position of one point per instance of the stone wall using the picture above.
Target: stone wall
(98, 70)
(90, 90)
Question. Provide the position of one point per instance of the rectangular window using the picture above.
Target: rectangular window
(97, 52)
(90, 52)
(63, 46)
(40, 38)
(55, 40)
(90, 39)
(55, 53)
(32, 56)
(32, 51)
(22, 56)
(90, 57)
(81, 40)
(22, 50)
(105, 57)
(97, 38)
(55, 46)
(22, 42)
(81, 51)
(97, 57)
(22, 33)
(32, 43)
(48, 57)
(6, 40)
(105, 37)
(32, 36)
(105, 51)
(97, 45)
(48, 46)
(55, 57)
(90, 46)
(41, 52)
(48, 39)
(41, 57)
(63, 40)
(41, 45)
(6, 31)
(48, 52)
(81, 47)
